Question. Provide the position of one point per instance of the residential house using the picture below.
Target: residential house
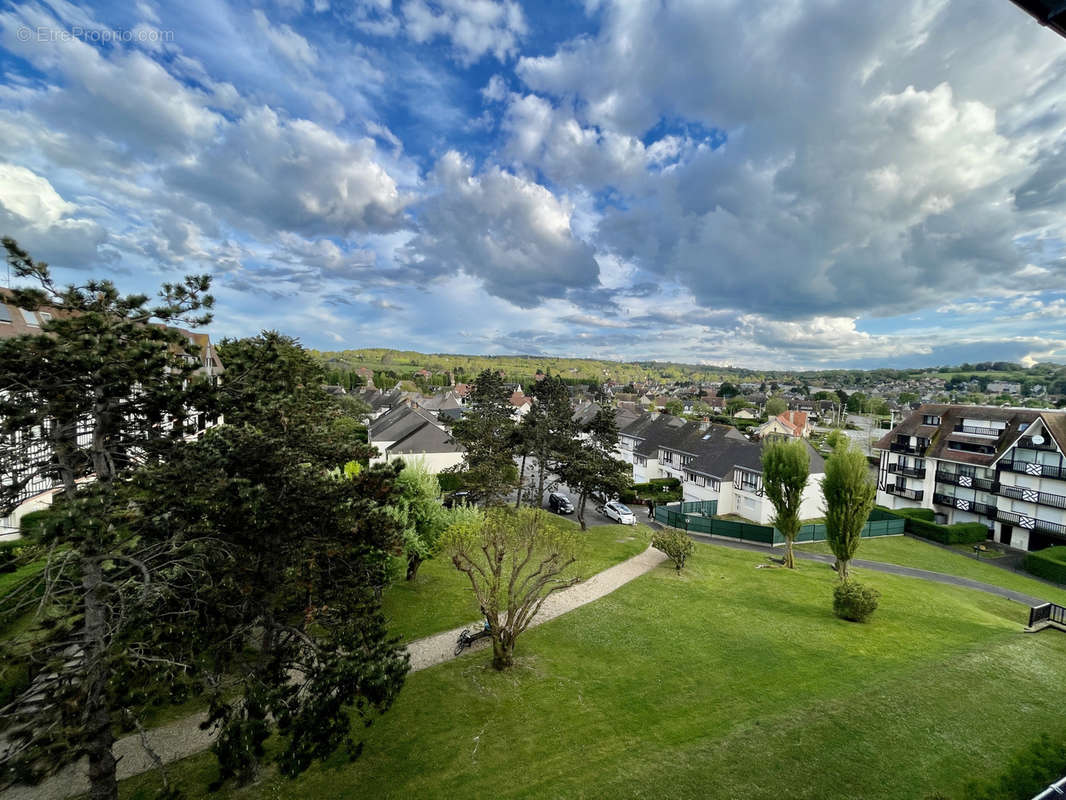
(713, 462)
(413, 435)
(746, 413)
(1002, 467)
(520, 404)
(1003, 387)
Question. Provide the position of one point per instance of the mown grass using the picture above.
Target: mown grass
(728, 681)
(440, 597)
(909, 552)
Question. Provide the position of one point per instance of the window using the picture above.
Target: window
(45, 316)
(749, 481)
(30, 317)
(5, 314)
(930, 419)
(641, 461)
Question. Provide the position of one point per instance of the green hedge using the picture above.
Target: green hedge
(960, 533)
(659, 490)
(450, 481)
(1049, 564)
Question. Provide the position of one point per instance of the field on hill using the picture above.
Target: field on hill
(729, 681)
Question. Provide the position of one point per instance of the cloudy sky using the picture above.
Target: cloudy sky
(769, 184)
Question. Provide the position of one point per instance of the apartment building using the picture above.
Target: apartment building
(713, 462)
(24, 454)
(1002, 467)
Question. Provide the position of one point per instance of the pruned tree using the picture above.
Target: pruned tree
(514, 561)
(486, 433)
(849, 492)
(675, 544)
(106, 387)
(785, 471)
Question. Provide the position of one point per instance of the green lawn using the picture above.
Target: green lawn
(727, 682)
(910, 552)
(440, 596)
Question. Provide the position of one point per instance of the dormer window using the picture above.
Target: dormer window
(930, 419)
(1023, 425)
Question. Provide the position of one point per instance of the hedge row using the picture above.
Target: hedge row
(660, 490)
(1049, 564)
(450, 481)
(960, 533)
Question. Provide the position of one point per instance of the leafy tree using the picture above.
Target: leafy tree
(735, 404)
(676, 544)
(102, 368)
(589, 465)
(785, 468)
(775, 406)
(857, 403)
(292, 620)
(549, 429)
(728, 390)
(842, 396)
(674, 406)
(514, 562)
(853, 601)
(849, 496)
(274, 384)
(422, 516)
(906, 398)
(835, 438)
(486, 432)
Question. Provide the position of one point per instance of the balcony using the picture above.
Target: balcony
(977, 430)
(900, 491)
(1032, 524)
(961, 504)
(1033, 496)
(967, 481)
(910, 472)
(1032, 468)
(907, 449)
(1028, 443)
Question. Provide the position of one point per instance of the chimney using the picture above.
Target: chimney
(705, 423)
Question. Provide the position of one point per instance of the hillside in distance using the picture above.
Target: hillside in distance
(521, 368)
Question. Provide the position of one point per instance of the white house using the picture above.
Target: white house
(713, 462)
(413, 435)
(1002, 467)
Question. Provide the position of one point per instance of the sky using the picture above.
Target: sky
(768, 184)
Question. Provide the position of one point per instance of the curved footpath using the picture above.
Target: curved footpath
(184, 738)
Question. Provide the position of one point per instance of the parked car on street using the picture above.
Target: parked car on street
(560, 503)
(618, 512)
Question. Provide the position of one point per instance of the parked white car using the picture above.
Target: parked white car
(619, 513)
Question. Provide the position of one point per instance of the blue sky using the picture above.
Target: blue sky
(721, 181)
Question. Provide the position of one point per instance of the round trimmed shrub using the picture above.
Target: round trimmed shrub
(855, 602)
(677, 546)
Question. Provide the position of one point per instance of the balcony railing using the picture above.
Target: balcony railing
(908, 449)
(900, 491)
(962, 504)
(1032, 524)
(1028, 443)
(910, 472)
(968, 481)
(1033, 496)
(977, 430)
(1032, 468)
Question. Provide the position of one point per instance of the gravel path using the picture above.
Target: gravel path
(184, 738)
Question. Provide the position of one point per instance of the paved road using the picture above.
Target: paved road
(552, 483)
